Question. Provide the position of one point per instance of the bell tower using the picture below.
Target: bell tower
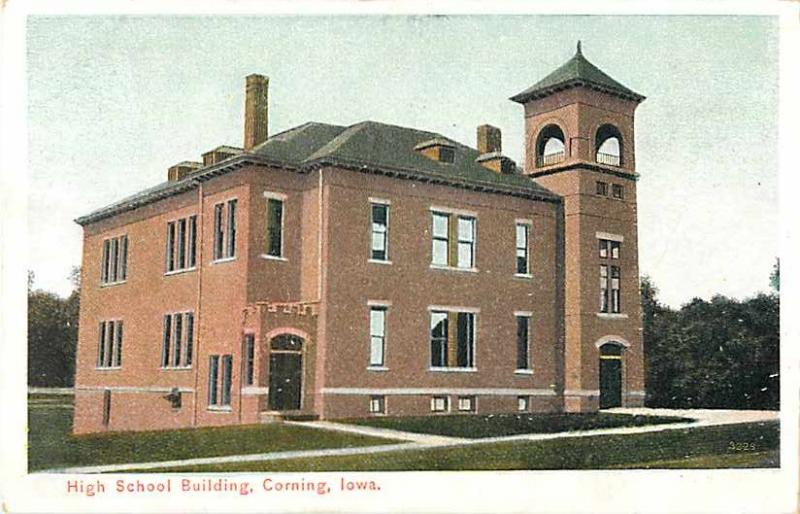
(579, 143)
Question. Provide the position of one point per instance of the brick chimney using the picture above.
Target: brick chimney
(255, 111)
(489, 139)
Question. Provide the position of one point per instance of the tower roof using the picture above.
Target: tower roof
(578, 71)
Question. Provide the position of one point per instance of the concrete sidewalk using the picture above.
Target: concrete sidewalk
(699, 417)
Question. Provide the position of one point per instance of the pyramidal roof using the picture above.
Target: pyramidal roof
(576, 72)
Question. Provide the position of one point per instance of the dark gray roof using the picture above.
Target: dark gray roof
(576, 71)
(367, 146)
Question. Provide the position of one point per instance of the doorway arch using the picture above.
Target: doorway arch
(285, 372)
(611, 374)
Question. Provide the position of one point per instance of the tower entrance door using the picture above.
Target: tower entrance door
(285, 373)
(610, 375)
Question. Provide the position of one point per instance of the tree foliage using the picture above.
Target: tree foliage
(52, 335)
(722, 353)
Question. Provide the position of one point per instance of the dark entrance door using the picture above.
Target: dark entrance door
(610, 376)
(285, 376)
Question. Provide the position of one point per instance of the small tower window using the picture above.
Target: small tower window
(608, 144)
(550, 147)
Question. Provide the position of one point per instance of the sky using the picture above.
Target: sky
(113, 101)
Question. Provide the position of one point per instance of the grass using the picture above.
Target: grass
(51, 445)
(497, 425)
(703, 447)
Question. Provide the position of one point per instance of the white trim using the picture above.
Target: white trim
(525, 371)
(582, 392)
(612, 315)
(453, 370)
(635, 393)
(254, 390)
(377, 368)
(275, 195)
(450, 308)
(453, 268)
(523, 314)
(379, 261)
(224, 259)
(608, 236)
(111, 284)
(523, 221)
(612, 339)
(379, 303)
(523, 275)
(396, 391)
(134, 389)
(220, 409)
(174, 368)
(107, 368)
(179, 271)
(273, 257)
(453, 210)
(380, 201)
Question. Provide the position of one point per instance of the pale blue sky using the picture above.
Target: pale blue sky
(114, 101)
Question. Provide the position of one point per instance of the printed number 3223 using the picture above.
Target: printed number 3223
(741, 447)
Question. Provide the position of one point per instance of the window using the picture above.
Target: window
(617, 191)
(601, 188)
(466, 403)
(377, 335)
(225, 230)
(523, 403)
(114, 264)
(615, 303)
(379, 249)
(452, 339)
(453, 240)
(603, 288)
(377, 405)
(614, 249)
(523, 342)
(177, 342)
(275, 227)
(219, 380)
(109, 344)
(106, 407)
(522, 234)
(181, 244)
(609, 249)
(447, 154)
(440, 404)
(610, 301)
(249, 358)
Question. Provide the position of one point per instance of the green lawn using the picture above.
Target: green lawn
(497, 425)
(705, 447)
(50, 444)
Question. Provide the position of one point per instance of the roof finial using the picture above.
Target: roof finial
(579, 48)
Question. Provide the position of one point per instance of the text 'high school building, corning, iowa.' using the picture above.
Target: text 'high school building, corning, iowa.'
(332, 272)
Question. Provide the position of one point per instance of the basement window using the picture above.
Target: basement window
(377, 405)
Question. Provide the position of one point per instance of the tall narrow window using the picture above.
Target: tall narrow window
(225, 230)
(275, 227)
(106, 407)
(380, 232)
(114, 265)
(116, 361)
(181, 235)
(213, 378)
(452, 339)
(603, 288)
(104, 264)
(191, 236)
(177, 335)
(227, 370)
(189, 338)
(166, 337)
(603, 243)
(522, 234)
(113, 260)
(231, 229)
(464, 337)
(249, 358)
(109, 344)
(523, 343)
(220, 369)
(466, 242)
(101, 344)
(170, 257)
(610, 298)
(377, 335)
(615, 300)
(122, 269)
(181, 245)
(218, 233)
(177, 343)
(438, 339)
(441, 233)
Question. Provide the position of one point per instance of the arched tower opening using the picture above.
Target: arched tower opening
(550, 146)
(608, 145)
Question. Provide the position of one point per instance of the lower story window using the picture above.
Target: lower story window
(220, 368)
(440, 404)
(377, 405)
(452, 339)
(523, 403)
(466, 403)
(109, 344)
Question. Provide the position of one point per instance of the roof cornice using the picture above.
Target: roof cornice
(526, 97)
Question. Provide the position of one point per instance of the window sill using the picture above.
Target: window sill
(273, 257)
(453, 268)
(453, 370)
(112, 284)
(377, 368)
(379, 261)
(378, 414)
(179, 271)
(523, 372)
(107, 368)
(175, 368)
(223, 260)
(611, 315)
(219, 410)
(523, 275)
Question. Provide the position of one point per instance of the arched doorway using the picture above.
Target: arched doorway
(610, 375)
(285, 372)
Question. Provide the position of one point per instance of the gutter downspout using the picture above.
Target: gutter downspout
(198, 318)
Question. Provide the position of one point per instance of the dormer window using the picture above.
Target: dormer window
(438, 149)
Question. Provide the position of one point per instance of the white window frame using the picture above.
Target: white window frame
(120, 264)
(434, 309)
(373, 202)
(528, 225)
(281, 197)
(468, 403)
(220, 403)
(169, 340)
(225, 233)
(384, 308)
(446, 403)
(109, 344)
(377, 405)
(523, 403)
(172, 247)
(453, 216)
(529, 364)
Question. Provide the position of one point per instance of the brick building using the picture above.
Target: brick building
(330, 271)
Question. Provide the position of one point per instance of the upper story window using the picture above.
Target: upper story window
(177, 343)
(109, 344)
(379, 241)
(114, 264)
(377, 335)
(609, 249)
(601, 188)
(608, 145)
(452, 339)
(617, 191)
(220, 369)
(609, 253)
(550, 146)
(181, 244)
(453, 240)
(523, 230)
(225, 230)
(275, 216)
